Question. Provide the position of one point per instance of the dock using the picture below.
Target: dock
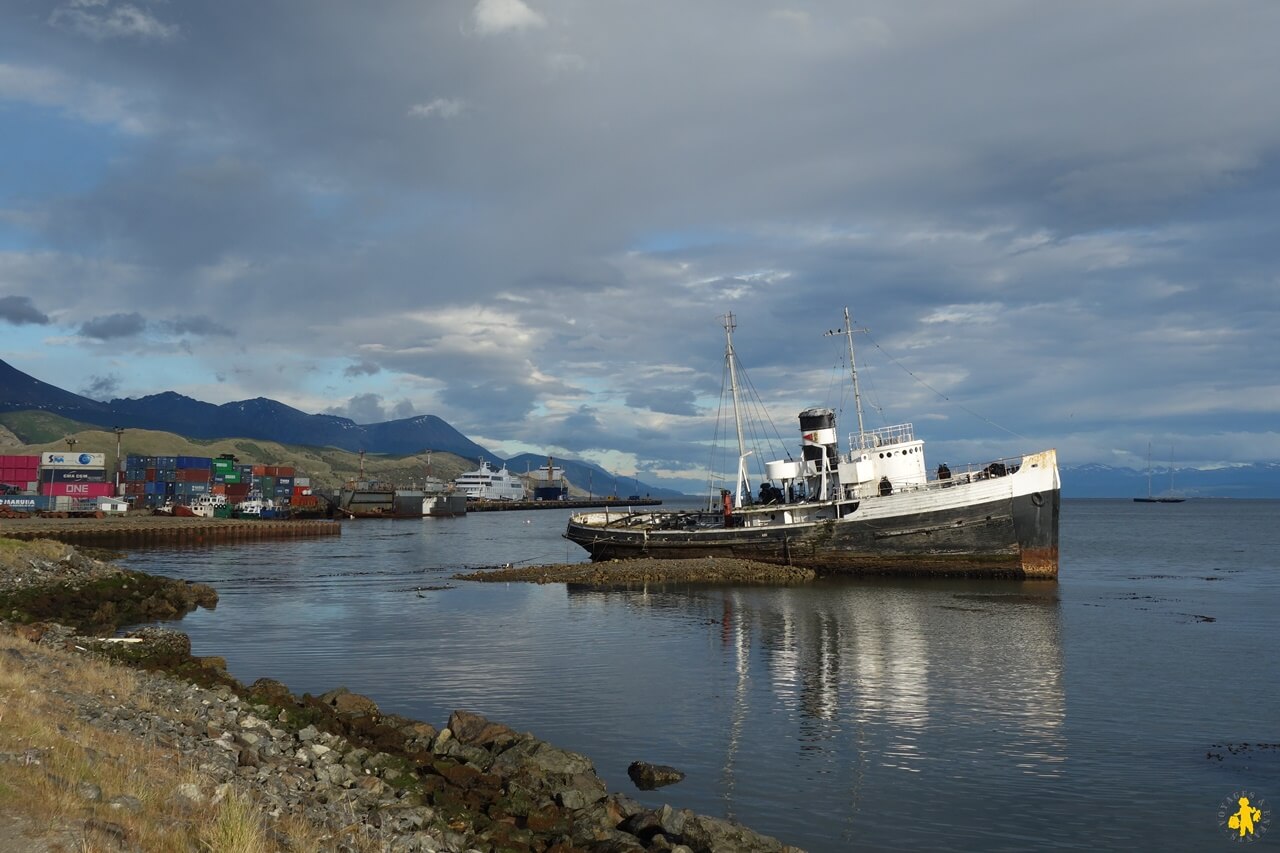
(134, 530)
(500, 506)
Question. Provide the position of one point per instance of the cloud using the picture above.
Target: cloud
(198, 325)
(102, 387)
(371, 408)
(445, 108)
(113, 326)
(364, 367)
(85, 99)
(499, 16)
(679, 401)
(95, 20)
(20, 310)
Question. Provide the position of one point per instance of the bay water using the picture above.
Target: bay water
(1119, 707)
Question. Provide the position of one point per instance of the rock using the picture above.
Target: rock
(649, 776)
(542, 757)
(89, 791)
(270, 691)
(126, 803)
(475, 730)
(353, 704)
(187, 796)
(712, 835)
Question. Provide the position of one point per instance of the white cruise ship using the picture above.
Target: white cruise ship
(486, 484)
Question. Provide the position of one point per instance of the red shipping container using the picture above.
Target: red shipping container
(78, 490)
(193, 475)
(237, 489)
(150, 475)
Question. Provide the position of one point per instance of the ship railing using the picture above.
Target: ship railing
(975, 471)
(873, 438)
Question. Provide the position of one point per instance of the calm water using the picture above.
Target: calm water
(843, 715)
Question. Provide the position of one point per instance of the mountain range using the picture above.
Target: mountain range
(270, 420)
(1254, 480)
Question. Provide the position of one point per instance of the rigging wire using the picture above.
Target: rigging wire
(985, 420)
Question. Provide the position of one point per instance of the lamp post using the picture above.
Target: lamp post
(71, 443)
(119, 431)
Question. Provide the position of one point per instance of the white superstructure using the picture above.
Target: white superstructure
(486, 484)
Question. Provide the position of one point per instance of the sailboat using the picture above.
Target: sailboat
(1164, 499)
(871, 508)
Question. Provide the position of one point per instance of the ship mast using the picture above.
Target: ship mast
(848, 331)
(730, 359)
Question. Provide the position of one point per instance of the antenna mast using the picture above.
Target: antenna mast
(848, 331)
(730, 359)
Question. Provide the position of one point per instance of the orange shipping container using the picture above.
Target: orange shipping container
(219, 488)
(259, 470)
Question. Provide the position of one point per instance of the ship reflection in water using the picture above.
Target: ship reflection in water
(861, 700)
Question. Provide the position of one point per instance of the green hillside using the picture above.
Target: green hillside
(327, 467)
(36, 427)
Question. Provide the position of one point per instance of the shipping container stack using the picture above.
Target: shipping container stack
(269, 482)
(20, 483)
(72, 479)
(282, 477)
(194, 474)
(21, 473)
(156, 480)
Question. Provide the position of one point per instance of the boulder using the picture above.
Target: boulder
(649, 776)
(474, 730)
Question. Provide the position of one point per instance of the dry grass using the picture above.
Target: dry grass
(16, 554)
(55, 760)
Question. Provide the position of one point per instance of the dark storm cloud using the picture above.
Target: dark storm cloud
(20, 310)
(113, 326)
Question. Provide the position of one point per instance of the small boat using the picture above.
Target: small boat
(871, 508)
(258, 507)
(1168, 498)
(207, 506)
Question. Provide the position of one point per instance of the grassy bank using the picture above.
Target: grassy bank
(87, 789)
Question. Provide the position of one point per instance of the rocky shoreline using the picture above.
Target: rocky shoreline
(361, 779)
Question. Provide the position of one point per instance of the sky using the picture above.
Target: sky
(1057, 222)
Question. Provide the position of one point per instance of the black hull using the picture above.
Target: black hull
(1015, 537)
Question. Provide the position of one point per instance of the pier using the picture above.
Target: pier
(142, 530)
(499, 506)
